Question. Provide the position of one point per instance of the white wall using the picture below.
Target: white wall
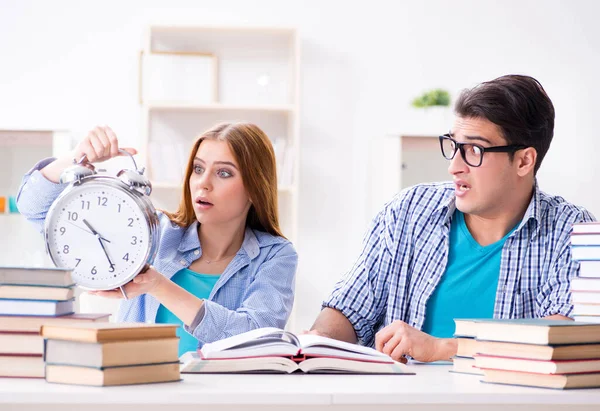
(73, 64)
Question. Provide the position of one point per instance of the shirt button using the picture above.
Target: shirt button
(183, 262)
(196, 252)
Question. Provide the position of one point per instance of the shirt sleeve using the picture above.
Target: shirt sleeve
(36, 194)
(361, 295)
(555, 294)
(268, 301)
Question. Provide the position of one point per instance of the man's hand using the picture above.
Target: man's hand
(399, 339)
(145, 283)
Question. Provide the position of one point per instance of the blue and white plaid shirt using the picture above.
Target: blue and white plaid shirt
(255, 290)
(405, 253)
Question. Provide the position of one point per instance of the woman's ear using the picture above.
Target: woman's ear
(526, 160)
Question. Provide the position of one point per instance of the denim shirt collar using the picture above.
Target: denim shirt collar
(190, 241)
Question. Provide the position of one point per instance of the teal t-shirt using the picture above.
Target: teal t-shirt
(468, 287)
(197, 284)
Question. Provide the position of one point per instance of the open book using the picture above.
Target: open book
(275, 350)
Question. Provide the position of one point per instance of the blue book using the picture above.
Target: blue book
(36, 307)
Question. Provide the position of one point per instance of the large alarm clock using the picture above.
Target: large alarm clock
(103, 227)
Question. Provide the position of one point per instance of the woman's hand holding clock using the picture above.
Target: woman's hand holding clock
(99, 145)
(147, 282)
(121, 203)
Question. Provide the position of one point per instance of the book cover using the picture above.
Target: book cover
(43, 293)
(112, 354)
(19, 323)
(36, 307)
(107, 376)
(556, 381)
(104, 332)
(21, 365)
(21, 343)
(58, 277)
(537, 331)
(538, 366)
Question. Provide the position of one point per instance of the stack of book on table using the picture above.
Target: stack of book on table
(535, 352)
(272, 350)
(29, 298)
(111, 354)
(585, 288)
(464, 360)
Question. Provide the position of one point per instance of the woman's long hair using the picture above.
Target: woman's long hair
(254, 154)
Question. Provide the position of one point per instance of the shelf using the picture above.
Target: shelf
(167, 106)
(221, 29)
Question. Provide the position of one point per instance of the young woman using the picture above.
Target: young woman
(222, 267)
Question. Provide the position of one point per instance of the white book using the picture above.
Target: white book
(585, 252)
(587, 228)
(36, 307)
(585, 239)
(589, 269)
(276, 350)
(585, 284)
(586, 309)
(22, 366)
(594, 319)
(582, 297)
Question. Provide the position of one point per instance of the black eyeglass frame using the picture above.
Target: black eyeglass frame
(511, 148)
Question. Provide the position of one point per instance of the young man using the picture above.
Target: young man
(489, 244)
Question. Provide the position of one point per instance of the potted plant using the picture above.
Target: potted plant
(431, 114)
(435, 97)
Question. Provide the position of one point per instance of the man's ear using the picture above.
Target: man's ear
(525, 161)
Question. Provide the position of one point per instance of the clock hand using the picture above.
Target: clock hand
(94, 231)
(99, 240)
(87, 231)
(105, 252)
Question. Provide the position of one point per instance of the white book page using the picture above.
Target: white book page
(248, 339)
(193, 364)
(361, 367)
(313, 342)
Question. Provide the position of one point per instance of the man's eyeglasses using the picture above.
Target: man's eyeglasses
(471, 153)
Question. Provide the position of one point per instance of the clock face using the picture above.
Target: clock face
(101, 233)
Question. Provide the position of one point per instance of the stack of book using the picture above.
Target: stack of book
(464, 360)
(36, 291)
(111, 354)
(585, 289)
(29, 298)
(536, 352)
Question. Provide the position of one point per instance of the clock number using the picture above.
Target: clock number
(111, 269)
(78, 261)
(85, 205)
(126, 257)
(133, 240)
(102, 201)
(130, 222)
(72, 216)
(119, 205)
(66, 249)
(63, 231)
(94, 272)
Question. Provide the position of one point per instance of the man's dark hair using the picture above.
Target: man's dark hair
(518, 105)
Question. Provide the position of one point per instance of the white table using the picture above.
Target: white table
(432, 388)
